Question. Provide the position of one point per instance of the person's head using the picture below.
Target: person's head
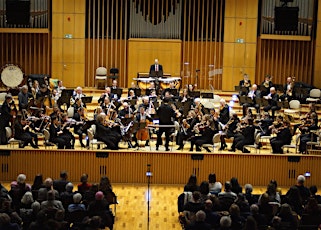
(254, 209)
(285, 210)
(271, 189)
(64, 175)
(59, 83)
(204, 188)
(250, 223)
(265, 198)
(192, 179)
(51, 195)
(156, 61)
(84, 178)
(313, 190)
(99, 195)
(48, 182)
(222, 102)
(254, 87)
(300, 180)
(234, 210)
(288, 80)
(43, 88)
(208, 204)
(234, 181)
(24, 89)
(21, 179)
(60, 215)
(94, 187)
(8, 97)
(145, 100)
(114, 83)
(27, 198)
(200, 216)
(196, 196)
(212, 178)
(106, 101)
(81, 111)
(246, 77)
(69, 187)
(248, 188)
(35, 206)
(272, 90)
(267, 77)
(77, 198)
(294, 194)
(4, 219)
(100, 118)
(227, 186)
(225, 222)
(197, 101)
(79, 90)
(131, 92)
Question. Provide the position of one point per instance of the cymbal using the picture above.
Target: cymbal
(35, 108)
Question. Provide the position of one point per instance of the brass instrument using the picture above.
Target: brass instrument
(267, 82)
(246, 83)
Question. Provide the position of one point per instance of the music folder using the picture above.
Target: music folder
(117, 91)
(87, 99)
(194, 94)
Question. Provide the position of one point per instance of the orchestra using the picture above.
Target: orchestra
(131, 118)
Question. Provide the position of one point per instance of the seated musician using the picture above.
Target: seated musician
(141, 117)
(224, 112)
(114, 84)
(35, 88)
(105, 105)
(283, 137)
(57, 136)
(104, 133)
(131, 95)
(66, 124)
(186, 129)
(266, 85)
(178, 112)
(244, 137)
(56, 111)
(59, 87)
(166, 115)
(145, 103)
(272, 98)
(254, 93)
(43, 97)
(22, 133)
(184, 96)
(206, 130)
(288, 90)
(264, 124)
(23, 97)
(78, 104)
(80, 118)
(199, 106)
(306, 129)
(229, 130)
(78, 93)
(244, 85)
(169, 90)
(107, 93)
(307, 116)
(55, 96)
(126, 112)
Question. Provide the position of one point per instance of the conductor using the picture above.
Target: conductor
(156, 70)
(166, 116)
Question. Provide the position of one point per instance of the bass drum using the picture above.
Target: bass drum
(11, 76)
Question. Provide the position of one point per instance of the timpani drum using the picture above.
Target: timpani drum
(11, 76)
(144, 83)
(165, 82)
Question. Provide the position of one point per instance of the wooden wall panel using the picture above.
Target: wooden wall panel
(167, 168)
(282, 59)
(316, 61)
(57, 29)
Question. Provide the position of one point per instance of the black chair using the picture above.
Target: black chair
(111, 199)
(114, 73)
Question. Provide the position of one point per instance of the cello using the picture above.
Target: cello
(143, 133)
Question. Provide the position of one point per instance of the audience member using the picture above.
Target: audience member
(215, 187)
(60, 185)
(76, 205)
(199, 222)
(191, 185)
(84, 186)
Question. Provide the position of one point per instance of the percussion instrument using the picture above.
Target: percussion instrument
(144, 83)
(11, 76)
(165, 82)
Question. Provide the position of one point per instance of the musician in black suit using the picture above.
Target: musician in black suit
(57, 136)
(5, 117)
(104, 133)
(79, 117)
(157, 69)
(254, 93)
(166, 116)
(22, 133)
(283, 137)
(244, 85)
(186, 129)
(266, 85)
(288, 90)
(246, 138)
(107, 93)
(224, 112)
(23, 97)
(272, 98)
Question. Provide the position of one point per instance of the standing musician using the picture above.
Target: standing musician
(288, 89)
(283, 137)
(57, 136)
(229, 130)
(244, 85)
(5, 117)
(245, 137)
(80, 118)
(104, 133)
(141, 134)
(23, 133)
(207, 131)
(272, 98)
(254, 93)
(166, 116)
(266, 85)
(224, 116)
(23, 98)
(186, 129)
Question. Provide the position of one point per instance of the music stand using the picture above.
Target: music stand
(137, 91)
(156, 74)
(237, 88)
(131, 102)
(245, 100)
(148, 91)
(207, 95)
(173, 92)
(118, 92)
(194, 94)
(87, 100)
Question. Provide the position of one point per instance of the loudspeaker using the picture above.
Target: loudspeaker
(18, 12)
(286, 18)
